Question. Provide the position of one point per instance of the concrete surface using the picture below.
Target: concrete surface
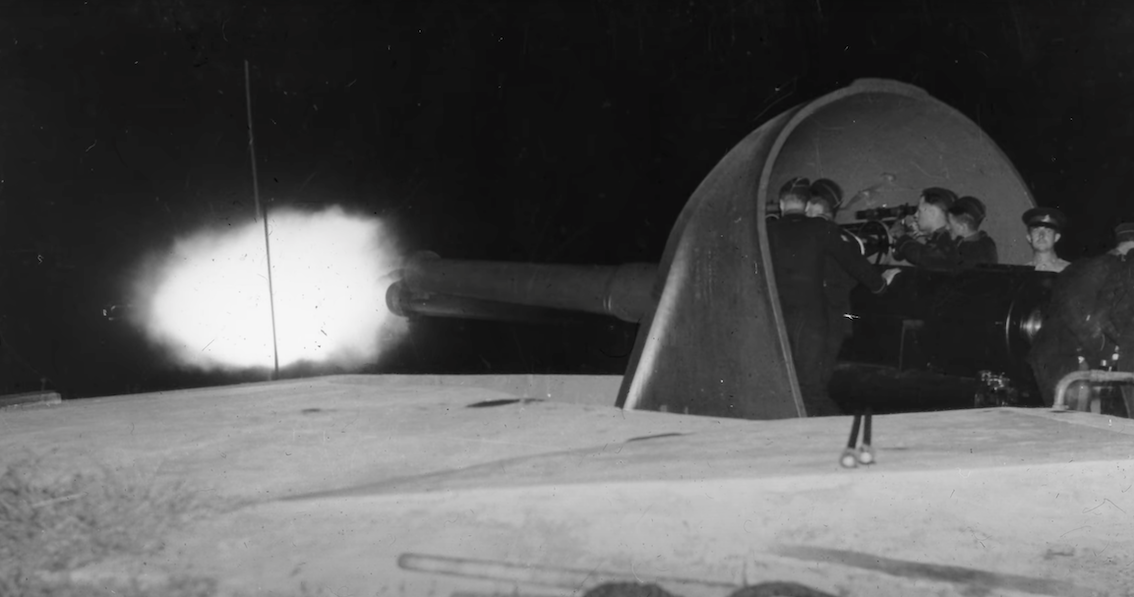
(369, 486)
(575, 389)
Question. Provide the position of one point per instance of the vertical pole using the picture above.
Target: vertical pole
(256, 199)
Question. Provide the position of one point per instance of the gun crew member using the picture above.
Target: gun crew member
(800, 248)
(926, 241)
(1045, 227)
(824, 201)
(1117, 294)
(974, 246)
(1088, 315)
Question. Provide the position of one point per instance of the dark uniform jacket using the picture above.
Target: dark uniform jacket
(1114, 305)
(1075, 321)
(800, 249)
(837, 285)
(975, 250)
(938, 252)
(1115, 310)
(941, 251)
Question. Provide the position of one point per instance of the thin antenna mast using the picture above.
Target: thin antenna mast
(256, 198)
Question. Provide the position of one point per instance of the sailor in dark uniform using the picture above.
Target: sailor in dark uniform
(974, 246)
(824, 202)
(800, 249)
(927, 243)
(1088, 315)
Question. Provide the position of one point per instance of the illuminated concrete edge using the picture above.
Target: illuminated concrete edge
(386, 486)
(29, 399)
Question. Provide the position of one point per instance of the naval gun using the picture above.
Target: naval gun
(711, 338)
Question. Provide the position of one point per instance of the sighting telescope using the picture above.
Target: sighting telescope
(886, 213)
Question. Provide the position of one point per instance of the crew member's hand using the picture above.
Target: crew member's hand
(899, 229)
(889, 274)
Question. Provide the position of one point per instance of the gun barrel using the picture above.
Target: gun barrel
(404, 302)
(622, 291)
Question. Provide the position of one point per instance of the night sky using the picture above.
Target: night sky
(547, 131)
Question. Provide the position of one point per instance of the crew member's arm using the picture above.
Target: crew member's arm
(851, 260)
(939, 252)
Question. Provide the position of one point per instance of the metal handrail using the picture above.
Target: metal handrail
(1092, 375)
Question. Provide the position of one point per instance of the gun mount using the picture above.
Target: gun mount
(873, 238)
(711, 337)
(942, 337)
(872, 229)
